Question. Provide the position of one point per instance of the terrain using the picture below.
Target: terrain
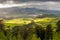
(17, 12)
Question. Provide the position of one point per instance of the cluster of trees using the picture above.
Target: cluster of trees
(28, 30)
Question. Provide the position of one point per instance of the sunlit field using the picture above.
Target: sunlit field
(20, 22)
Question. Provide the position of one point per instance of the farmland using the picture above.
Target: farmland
(20, 22)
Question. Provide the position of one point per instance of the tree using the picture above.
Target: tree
(58, 26)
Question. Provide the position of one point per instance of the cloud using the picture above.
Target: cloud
(49, 5)
(2, 1)
(45, 5)
(10, 5)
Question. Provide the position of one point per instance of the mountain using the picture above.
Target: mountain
(25, 12)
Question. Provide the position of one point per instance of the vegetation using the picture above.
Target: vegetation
(9, 24)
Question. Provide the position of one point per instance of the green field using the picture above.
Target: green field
(20, 22)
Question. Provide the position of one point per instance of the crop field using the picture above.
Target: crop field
(9, 24)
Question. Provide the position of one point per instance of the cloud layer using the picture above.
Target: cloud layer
(48, 5)
(26, 0)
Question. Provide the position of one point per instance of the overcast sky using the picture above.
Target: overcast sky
(28, 0)
(41, 4)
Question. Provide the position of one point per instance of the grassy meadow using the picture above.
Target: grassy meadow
(41, 21)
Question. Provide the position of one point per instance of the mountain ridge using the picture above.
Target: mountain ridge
(17, 11)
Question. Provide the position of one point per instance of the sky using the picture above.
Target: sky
(27, 0)
(40, 4)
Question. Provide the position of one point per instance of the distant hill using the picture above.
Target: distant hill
(45, 15)
(25, 12)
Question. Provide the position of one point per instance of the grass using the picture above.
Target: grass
(44, 22)
(56, 36)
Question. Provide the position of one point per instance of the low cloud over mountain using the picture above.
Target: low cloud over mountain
(17, 8)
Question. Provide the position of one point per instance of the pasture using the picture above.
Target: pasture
(20, 22)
